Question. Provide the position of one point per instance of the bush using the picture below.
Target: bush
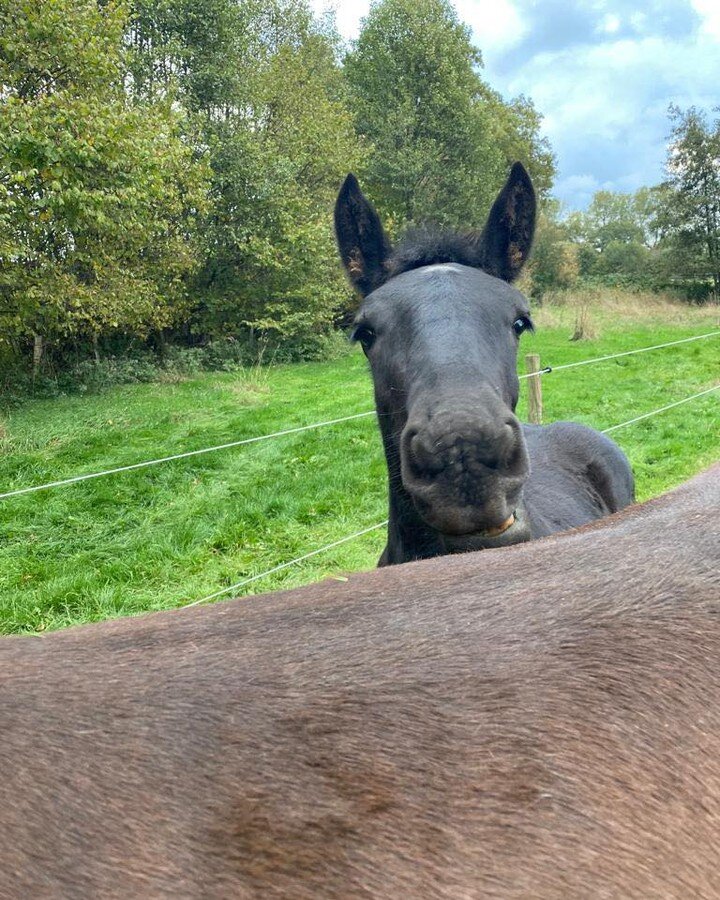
(309, 347)
(174, 362)
(696, 292)
(631, 283)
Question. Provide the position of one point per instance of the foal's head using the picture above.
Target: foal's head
(439, 324)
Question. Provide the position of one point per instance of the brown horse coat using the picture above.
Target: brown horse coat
(540, 720)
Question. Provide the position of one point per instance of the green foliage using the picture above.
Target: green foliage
(514, 127)
(189, 48)
(58, 46)
(271, 258)
(666, 237)
(689, 216)
(441, 140)
(554, 264)
(616, 239)
(132, 366)
(170, 166)
(413, 81)
(623, 258)
(266, 97)
(587, 257)
(611, 217)
(97, 196)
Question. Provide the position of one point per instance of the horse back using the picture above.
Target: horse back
(577, 474)
(438, 729)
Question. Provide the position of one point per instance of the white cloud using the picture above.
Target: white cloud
(709, 12)
(580, 188)
(610, 24)
(496, 26)
(606, 106)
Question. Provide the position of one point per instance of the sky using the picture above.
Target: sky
(601, 72)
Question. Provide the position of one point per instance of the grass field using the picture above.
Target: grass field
(167, 535)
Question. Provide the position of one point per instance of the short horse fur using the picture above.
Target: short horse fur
(433, 731)
(440, 324)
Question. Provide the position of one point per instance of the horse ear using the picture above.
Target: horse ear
(362, 242)
(508, 234)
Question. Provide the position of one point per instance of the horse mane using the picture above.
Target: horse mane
(428, 246)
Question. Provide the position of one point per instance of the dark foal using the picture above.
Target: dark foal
(431, 731)
(440, 324)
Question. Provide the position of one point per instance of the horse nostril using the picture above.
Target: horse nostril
(512, 429)
(419, 460)
(516, 458)
(417, 449)
(409, 445)
(417, 455)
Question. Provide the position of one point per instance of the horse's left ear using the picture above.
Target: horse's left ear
(508, 234)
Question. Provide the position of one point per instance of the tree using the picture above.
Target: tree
(611, 217)
(689, 218)
(615, 235)
(646, 202)
(271, 262)
(442, 141)
(97, 196)
(266, 97)
(628, 258)
(514, 127)
(188, 48)
(554, 263)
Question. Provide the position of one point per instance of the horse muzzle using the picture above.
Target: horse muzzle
(465, 471)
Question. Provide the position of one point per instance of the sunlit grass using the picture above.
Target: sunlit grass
(168, 535)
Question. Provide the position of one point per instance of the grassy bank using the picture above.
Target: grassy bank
(167, 535)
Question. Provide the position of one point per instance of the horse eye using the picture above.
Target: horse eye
(365, 335)
(522, 324)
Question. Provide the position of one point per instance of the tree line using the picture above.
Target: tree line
(662, 238)
(168, 170)
(168, 167)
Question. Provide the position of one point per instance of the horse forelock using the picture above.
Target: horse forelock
(432, 246)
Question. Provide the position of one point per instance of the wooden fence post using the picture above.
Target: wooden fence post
(532, 364)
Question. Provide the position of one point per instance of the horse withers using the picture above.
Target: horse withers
(434, 730)
(440, 323)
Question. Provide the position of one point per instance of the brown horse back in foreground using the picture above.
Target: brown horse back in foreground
(540, 720)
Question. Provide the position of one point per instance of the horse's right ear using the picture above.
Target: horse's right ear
(508, 235)
(362, 242)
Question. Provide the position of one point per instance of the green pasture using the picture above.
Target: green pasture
(165, 536)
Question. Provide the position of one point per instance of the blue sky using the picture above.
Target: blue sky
(602, 74)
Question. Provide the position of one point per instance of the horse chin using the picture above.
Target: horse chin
(515, 530)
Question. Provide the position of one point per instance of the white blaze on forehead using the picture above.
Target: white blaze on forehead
(442, 267)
